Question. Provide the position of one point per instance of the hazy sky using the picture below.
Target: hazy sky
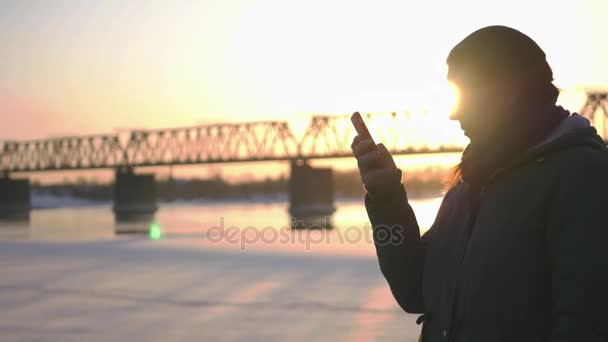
(75, 67)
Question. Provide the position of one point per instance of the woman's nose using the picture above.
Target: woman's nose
(456, 115)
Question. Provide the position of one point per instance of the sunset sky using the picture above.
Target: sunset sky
(79, 67)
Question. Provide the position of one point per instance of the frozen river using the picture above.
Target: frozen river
(65, 276)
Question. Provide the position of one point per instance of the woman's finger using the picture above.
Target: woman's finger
(387, 158)
(356, 140)
(368, 160)
(363, 146)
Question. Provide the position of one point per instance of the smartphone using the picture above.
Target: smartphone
(360, 126)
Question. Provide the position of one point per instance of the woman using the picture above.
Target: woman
(518, 251)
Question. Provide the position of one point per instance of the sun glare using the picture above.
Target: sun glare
(453, 98)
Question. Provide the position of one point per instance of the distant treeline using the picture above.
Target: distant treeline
(347, 184)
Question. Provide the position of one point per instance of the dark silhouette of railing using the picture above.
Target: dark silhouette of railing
(325, 137)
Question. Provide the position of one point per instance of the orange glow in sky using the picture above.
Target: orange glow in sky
(70, 67)
(73, 67)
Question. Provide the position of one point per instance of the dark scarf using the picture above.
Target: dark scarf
(480, 161)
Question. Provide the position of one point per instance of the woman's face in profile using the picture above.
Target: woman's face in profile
(480, 105)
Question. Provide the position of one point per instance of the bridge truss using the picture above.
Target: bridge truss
(325, 137)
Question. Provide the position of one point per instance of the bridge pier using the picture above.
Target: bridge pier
(134, 200)
(14, 198)
(311, 196)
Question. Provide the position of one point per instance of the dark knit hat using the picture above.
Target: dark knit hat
(499, 52)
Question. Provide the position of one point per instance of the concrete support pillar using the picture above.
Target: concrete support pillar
(311, 196)
(14, 198)
(134, 197)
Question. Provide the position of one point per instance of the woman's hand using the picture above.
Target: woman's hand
(379, 174)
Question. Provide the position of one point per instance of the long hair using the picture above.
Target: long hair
(453, 178)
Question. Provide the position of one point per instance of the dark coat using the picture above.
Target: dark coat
(528, 263)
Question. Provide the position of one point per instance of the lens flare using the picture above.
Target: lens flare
(454, 99)
(155, 232)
